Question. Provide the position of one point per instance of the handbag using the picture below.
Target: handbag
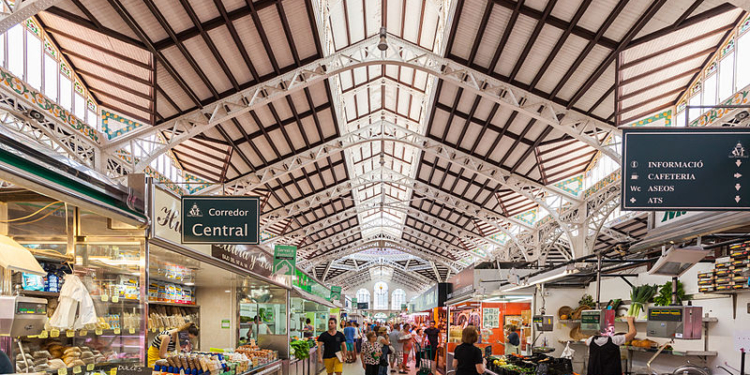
(384, 355)
(568, 352)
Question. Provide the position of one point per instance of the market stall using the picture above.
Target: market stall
(227, 290)
(72, 253)
(304, 306)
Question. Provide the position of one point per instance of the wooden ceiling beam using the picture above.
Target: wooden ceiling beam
(645, 18)
(91, 25)
(713, 12)
(559, 23)
(532, 39)
(560, 42)
(263, 37)
(506, 35)
(589, 46)
(480, 31)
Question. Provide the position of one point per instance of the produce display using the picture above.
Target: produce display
(301, 349)
(664, 297)
(536, 364)
(640, 296)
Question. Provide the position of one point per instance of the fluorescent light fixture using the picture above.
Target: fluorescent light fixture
(553, 275)
(676, 261)
(189, 284)
(511, 287)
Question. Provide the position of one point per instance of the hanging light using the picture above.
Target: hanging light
(383, 45)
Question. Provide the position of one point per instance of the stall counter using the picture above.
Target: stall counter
(307, 366)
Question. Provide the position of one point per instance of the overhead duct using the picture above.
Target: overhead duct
(677, 261)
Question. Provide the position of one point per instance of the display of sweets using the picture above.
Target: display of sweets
(259, 357)
(193, 364)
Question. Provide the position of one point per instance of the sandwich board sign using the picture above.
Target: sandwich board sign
(284, 260)
(220, 220)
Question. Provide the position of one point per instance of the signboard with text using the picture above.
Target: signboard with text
(220, 220)
(335, 293)
(284, 260)
(699, 169)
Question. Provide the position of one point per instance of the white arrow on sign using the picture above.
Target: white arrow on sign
(737, 186)
(738, 162)
(737, 198)
(737, 175)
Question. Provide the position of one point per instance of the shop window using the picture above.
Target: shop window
(33, 61)
(50, 77)
(743, 56)
(80, 106)
(66, 93)
(381, 296)
(363, 295)
(709, 92)
(726, 76)
(16, 50)
(398, 299)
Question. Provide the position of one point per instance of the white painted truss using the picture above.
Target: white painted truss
(362, 54)
(13, 12)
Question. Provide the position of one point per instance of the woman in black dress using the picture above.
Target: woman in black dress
(467, 359)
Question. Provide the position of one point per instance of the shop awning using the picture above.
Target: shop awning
(297, 292)
(15, 257)
(691, 227)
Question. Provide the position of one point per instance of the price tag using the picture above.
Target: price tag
(131, 331)
(83, 332)
(32, 336)
(117, 331)
(62, 371)
(70, 333)
(43, 335)
(90, 367)
(153, 329)
(98, 331)
(105, 298)
(54, 333)
(77, 370)
(113, 371)
(115, 299)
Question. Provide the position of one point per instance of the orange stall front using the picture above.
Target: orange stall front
(491, 316)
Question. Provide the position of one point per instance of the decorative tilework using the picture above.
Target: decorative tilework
(572, 185)
(728, 48)
(65, 70)
(163, 180)
(32, 26)
(614, 177)
(197, 183)
(528, 217)
(745, 25)
(78, 86)
(500, 237)
(666, 116)
(681, 107)
(711, 69)
(716, 113)
(49, 48)
(696, 88)
(114, 125)
(52, 108)
(91, 104)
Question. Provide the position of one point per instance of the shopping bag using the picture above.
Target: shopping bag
(567, 352)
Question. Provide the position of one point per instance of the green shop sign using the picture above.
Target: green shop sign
(284, 260)
(220, 220)
(335, 293)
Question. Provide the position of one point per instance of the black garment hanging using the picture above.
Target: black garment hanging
(605, 359)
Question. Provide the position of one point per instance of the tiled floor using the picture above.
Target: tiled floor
(356, 369)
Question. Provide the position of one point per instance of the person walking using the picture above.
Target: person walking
(398, 347)
(349, 334)
(333, 343)
(308, 332)
(406, 346)
(467, 358)
(358, 338)
(371, 352)
(419, 340)
(433, 339)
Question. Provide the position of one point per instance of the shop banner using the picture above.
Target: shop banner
(699, 169)
(335, 293)
(284, 260)
(251, 258)
(354, 301)
(220, 220)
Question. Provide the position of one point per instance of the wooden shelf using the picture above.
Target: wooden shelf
(697, 353)
(34, 293)
(171, 304)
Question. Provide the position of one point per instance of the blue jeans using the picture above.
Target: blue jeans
(383, 370)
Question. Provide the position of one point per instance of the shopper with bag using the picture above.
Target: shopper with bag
(334, 344)
(385, 346)
(371, 352)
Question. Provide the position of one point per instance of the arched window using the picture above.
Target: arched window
(381, 296)
(398, 299)
(363, 295)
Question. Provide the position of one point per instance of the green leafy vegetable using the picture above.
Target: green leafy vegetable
(301, 349)
(664, 298)
(586, 300)
(641, 295)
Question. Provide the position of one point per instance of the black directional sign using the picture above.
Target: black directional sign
(702, 169)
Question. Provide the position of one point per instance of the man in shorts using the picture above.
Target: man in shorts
(350, 334)
(395, 338)
(333, 342)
